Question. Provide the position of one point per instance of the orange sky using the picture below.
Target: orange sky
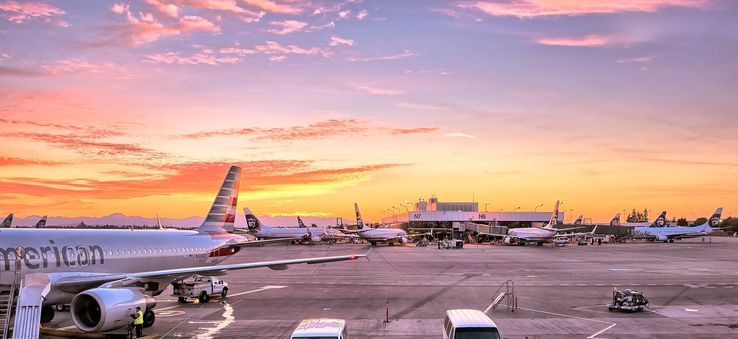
(140, 107)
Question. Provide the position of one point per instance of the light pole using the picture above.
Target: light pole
(536, 209)
(398, 212)
(486, 203)
(571, 215)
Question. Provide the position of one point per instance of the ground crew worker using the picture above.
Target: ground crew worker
(138, 322)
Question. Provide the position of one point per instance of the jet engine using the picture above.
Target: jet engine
(105, 309)
(662, 238)
(507, 240)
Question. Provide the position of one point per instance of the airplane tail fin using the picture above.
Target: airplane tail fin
(252, 222)
(579, 220)
(713, 222)
(554, 217)
(300, 224)
(222, 214)
(41, 223)
(359, 220)
(8, 221)
(158, 223)
(660, 221)
(616, 220)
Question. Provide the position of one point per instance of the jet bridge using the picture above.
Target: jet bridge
(33, 288)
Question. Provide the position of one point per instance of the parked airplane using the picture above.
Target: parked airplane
(7, 222)
(376, 235)
(616, 220)
(261, 231)
(327, 234)
(579, 220)
(669, 234)
(41, 223)
(660, 221)
(539, 235)
(104, 274)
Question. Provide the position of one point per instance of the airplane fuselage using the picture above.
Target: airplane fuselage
(382, 234)
(279, 232)
(532, 234)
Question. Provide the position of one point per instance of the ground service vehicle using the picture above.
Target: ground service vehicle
(627, 301)
(452, 243)
(469, 324)
(200, 287)
(561, 241)
(322, 328)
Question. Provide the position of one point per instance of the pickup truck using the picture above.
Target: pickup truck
(200, 287)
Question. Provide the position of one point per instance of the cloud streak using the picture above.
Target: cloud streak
(20, 12)
(543, 8)
(587, 41)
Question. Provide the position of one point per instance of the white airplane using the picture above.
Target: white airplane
(327, 234)
(7, 222)
(539, 235)
(376, 235)
(261, 231)
(104, 274)
(669, 234)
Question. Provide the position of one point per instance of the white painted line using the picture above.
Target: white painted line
(257, 290)
(600, 332)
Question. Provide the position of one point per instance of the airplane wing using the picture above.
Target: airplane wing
(252, 243)
(77, 283)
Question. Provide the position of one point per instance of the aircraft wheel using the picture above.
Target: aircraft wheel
(671, 240)
(224, 292)
(47, 314)
(182, 300)
(374, 243)
(149, 318)
(203, 297)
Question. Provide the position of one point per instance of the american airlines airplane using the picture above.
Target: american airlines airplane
(538, 235)
(375, 235)
(669, 234)
(104, 274)
(7, 222)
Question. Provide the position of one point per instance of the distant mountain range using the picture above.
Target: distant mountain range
(121, 219)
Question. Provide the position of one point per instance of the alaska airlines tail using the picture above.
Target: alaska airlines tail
(616, 220)
(41, 223)
(579, 220)
(252, 222)
(222, 214)
(660, 221)
(359, 221)
(554, 217)
(300, 224)
(8, 221)
(713, 222)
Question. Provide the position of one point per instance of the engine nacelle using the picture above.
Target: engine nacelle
(662, 238)
(105, 309)
(507, 240)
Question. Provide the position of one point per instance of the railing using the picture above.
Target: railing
(11, 301)
(511, 300)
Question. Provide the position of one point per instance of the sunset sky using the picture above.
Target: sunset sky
(139, 107)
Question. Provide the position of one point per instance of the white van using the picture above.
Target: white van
(469, 324)
(321, 329)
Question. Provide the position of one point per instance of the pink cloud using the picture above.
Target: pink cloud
(635, 60)
(169, 9)
(404, 54)
(198, 58)
(326, 26)
(336, 40)
(377, 90)
(75, 65)
(588, 41)
(537, 8)
(287, 27)
(19, 12)
(273, 47)
(362, 14)
(274, 7)
(146, 28)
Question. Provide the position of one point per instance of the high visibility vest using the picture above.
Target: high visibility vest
(139, 318)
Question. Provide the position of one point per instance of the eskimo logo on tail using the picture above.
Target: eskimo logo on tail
(555, 215)
(41, 223)
(661, 220)
(615, 221)
(579, 220)
(251, 221)
(359, 221)
(715, 218)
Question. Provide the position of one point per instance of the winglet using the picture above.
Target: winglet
(222, 214)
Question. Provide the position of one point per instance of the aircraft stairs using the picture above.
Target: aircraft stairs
(505, 293)
(8, 297)
(32, 290)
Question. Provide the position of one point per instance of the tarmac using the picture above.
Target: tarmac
(692, 287)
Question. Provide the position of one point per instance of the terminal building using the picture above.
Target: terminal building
(433, 213)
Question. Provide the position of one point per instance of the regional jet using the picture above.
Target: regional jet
(261, 231)
(375, 235)
(539, 235)
(669, 234)
(104, 274)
